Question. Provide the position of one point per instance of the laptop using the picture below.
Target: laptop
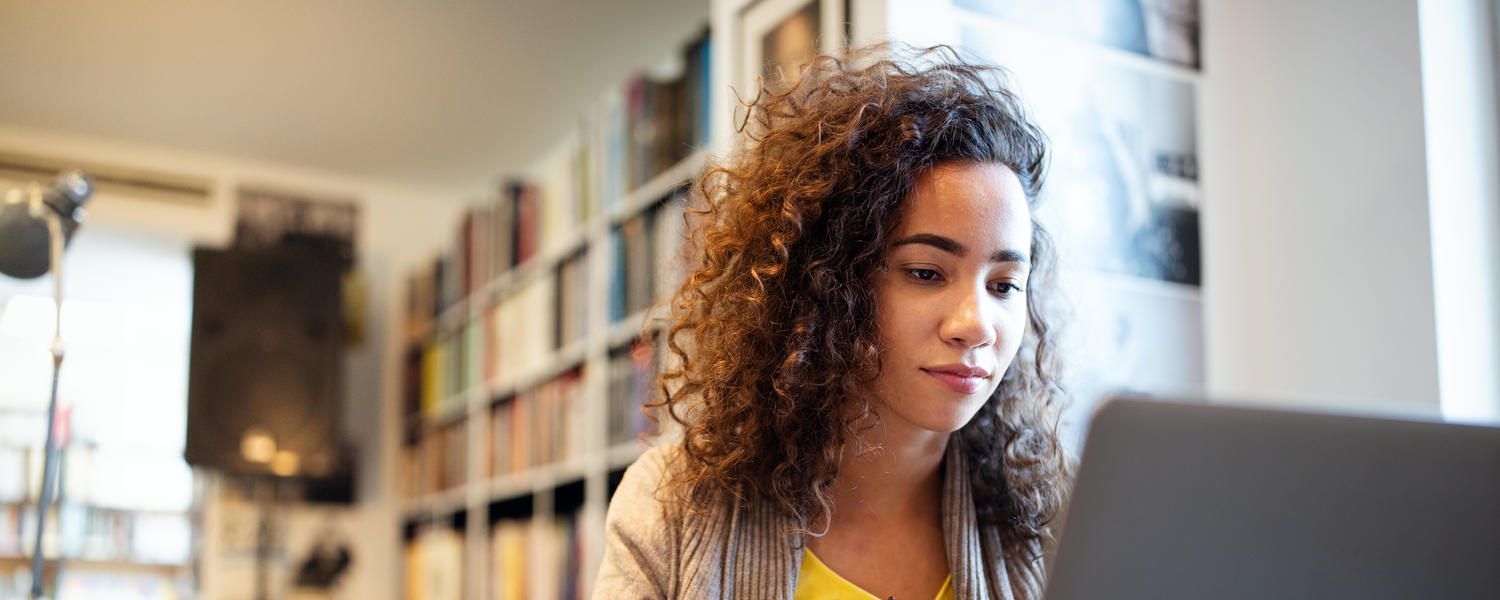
(1177, 501)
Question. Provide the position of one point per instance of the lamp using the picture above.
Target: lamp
(25, 223)
(33, 233)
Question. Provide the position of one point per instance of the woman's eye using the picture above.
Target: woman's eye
(1004, 288)
(923, 274)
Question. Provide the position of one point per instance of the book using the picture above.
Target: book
(454, 455)
(571, 301)
(411, 389)
(433, 364)
(670, 238)
(504, 432)
(464, 255)
(615, 178)
(632, 381)
(699, 75)
(615, 309)
(502, 233)
(510, 543)
(434, 565)
(632, 282)
(527, 223)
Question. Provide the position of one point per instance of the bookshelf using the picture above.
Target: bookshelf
(98, 533)
(525, 359)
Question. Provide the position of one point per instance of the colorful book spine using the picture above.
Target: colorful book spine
(510, 547)
(527, 223)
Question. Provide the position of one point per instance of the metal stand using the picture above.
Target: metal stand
(49, 475)
(265, 493)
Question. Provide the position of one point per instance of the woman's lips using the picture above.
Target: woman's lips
(963, 384)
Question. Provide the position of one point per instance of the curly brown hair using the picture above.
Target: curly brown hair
(773, 325)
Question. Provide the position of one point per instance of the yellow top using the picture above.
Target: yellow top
(816, 580)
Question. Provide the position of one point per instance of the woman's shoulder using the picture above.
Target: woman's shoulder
(644, 490)
(643, 530)
(659, 457)
(653, 469)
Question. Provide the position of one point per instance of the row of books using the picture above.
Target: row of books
(668, 116)
(524, 561)
(434, 560)
(539, 426)
(648, 261)
(518, 334)
(82, 532)
(531, 428)
(511, 337)
(516, 546)
(438, 461)
(572, 300)
(651, 125)
(492, 238)
(632, 381)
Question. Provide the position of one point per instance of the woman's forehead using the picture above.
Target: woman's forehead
(977, 200)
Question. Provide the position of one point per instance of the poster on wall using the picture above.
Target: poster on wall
(778, 36)
(1122, 189)
(1163, 29)
(1122, 196)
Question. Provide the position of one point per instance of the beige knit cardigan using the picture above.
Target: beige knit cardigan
(654, 549)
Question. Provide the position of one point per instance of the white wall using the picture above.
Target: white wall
(1318, 279)
(1459, 100)
(400, 226)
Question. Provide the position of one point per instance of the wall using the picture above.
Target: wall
(399, 227)
(1318, 281)
(1459, 102)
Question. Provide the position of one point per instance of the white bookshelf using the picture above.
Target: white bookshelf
(537, 488)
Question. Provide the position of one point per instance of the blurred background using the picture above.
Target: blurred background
(357, 308)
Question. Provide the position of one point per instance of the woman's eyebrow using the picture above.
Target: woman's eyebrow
(952, 246)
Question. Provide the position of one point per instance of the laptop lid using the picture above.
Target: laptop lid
(1177, 501)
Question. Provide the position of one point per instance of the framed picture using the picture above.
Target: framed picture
(1166, 30)
(1122, 194)
(777, 36)
(1114, 84)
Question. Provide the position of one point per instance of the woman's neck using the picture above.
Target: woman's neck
(885, 532)
(890, 473)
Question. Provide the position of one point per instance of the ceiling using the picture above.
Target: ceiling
(448, 94)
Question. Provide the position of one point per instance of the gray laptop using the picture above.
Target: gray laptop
(1178, 501)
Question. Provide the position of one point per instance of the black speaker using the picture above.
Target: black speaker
(264, 379)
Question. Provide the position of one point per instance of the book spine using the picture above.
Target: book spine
(616, 308)
(527, 223)
(502, 233)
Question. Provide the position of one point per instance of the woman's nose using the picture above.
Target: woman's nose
(970, 318)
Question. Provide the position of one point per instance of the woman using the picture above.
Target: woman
(865, 388)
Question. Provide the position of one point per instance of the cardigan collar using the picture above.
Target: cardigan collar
(764, 547)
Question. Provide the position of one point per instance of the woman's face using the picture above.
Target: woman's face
(951, 299)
